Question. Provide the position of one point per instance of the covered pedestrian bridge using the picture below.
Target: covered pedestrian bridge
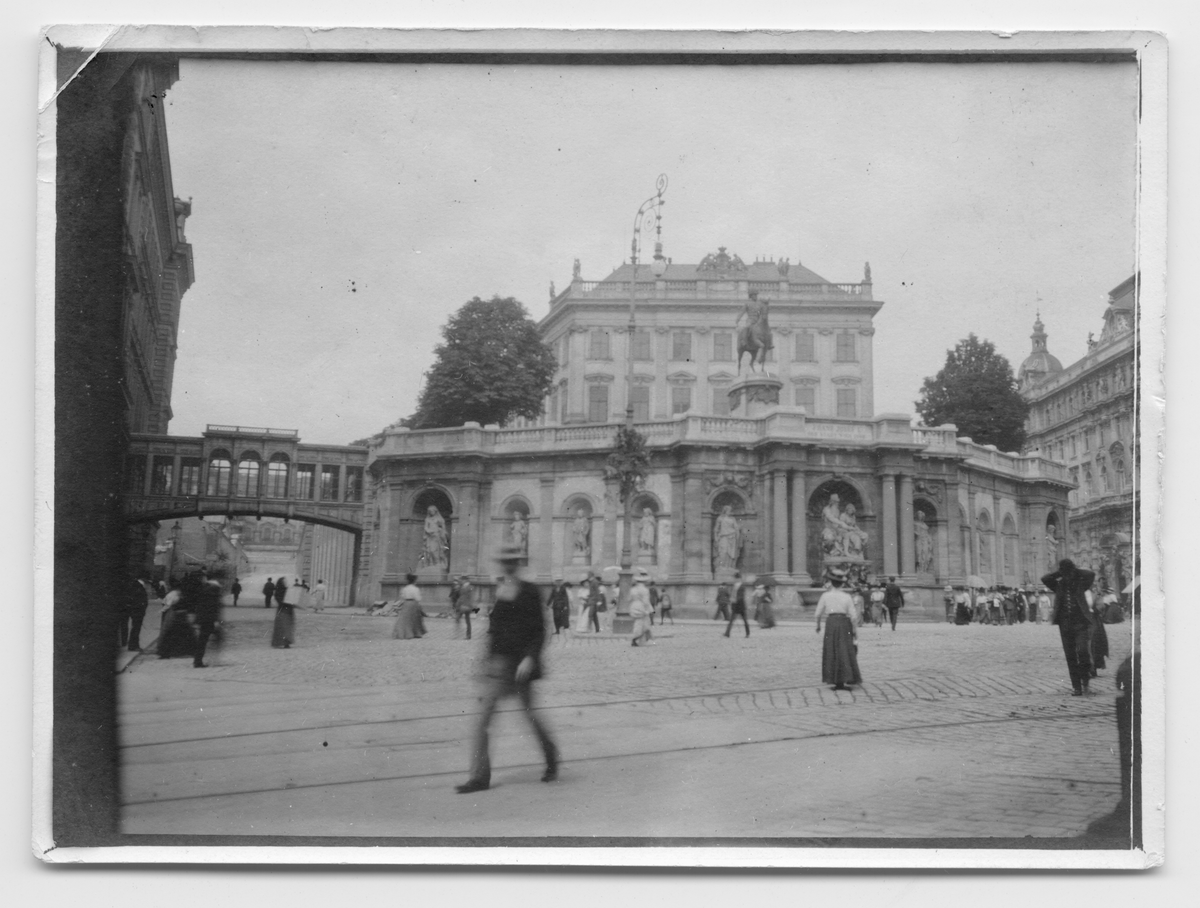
(244, 470)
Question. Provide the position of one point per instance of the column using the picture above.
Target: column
(800, 528)
(952, 545)
(463, 556)
(614, 514)
(483, 545)
(660, 391)
(973, 529)
(889, 525)
(675, 561)
(176, 467)
(697, 544)
(541, 555)
(779, 525)
(908, 565)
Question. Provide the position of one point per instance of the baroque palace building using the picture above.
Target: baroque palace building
(1085, 417)
(784, 486)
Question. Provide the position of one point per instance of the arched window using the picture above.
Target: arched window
(247, 476)
(277, 476)
(220, 468)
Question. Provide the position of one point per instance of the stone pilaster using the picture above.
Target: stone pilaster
(890, 529)
(800, 528)
(908, 567)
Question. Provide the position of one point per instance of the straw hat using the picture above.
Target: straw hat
(510, 553)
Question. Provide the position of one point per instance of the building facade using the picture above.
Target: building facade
(685, 352)
(784, 487)
(158, 269)
(1085, 417)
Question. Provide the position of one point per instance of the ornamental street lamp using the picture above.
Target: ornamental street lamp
(659, 268)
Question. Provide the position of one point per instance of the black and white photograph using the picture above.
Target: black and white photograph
(666, 449)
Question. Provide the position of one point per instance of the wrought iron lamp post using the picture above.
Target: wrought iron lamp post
(659, 268)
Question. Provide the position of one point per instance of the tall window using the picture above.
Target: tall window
(305, 473)
(329, 483)
(189, 476)
(277, 476)
(565, 349)
(641, 346)
(554, 404)
(597, 402)
(247, 477)
(806, 348)
(640, 395)
(722, 347)
(599, 345)
(681, 345)
(219, 470)
(720, 404)
(1104, 434)
(135, 473)
(681, 398)
(845, 348)
(562, 416)
(1074, 447)
(160, 479)
(1087, 439)
(847, 402)
(354, 483)
(806, 397)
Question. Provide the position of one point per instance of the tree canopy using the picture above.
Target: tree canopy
(977, 392)
(490, 367)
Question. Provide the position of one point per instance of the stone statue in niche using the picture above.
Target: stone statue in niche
(840, 535)
(581, 532)
(436, 549)
(518, 532)
(647, 528)
(924, 543)
(726, 540)
(576, 271)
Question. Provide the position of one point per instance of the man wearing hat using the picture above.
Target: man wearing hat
(516, 634)
(893, 600)
(462, 598)
(640, 608)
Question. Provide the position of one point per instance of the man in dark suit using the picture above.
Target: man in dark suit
(1071, 613)
(893, 600)
(207, 615)
(516, 635)
(268, 592)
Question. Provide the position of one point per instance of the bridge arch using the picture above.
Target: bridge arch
(245, 508)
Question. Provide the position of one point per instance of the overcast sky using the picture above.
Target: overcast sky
(341, 212)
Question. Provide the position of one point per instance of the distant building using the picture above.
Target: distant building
(1085, 416)
(685, 347)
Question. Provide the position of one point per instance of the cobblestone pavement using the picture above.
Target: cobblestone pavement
(956, 732)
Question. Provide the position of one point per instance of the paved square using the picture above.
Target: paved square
(956, 732)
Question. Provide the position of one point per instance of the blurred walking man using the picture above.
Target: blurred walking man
(516, 634)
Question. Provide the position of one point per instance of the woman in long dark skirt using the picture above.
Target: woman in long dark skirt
(839, 660)
(283, 635)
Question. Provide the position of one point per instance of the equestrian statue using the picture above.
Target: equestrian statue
(754, 337)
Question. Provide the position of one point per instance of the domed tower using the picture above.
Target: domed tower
(1040, 362)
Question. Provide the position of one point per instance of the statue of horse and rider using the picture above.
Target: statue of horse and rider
(754, 337)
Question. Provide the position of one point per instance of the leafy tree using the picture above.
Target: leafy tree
(491, 366)
(628, 462)
(977, 392)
